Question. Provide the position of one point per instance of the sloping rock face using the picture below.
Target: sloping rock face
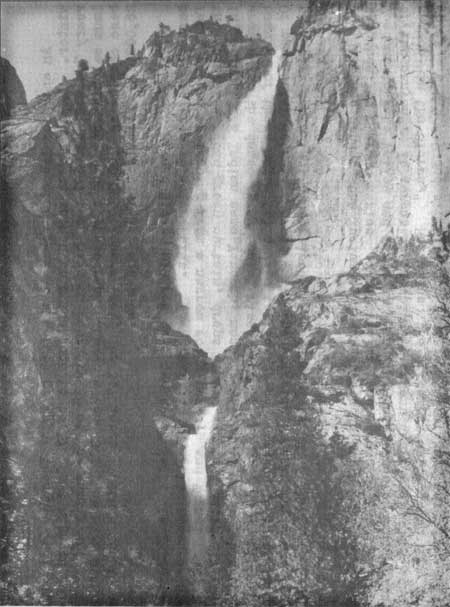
(328, 467)
(363, 100)
(95, 496)
(12, 92)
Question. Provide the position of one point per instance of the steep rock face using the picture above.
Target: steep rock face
(367, 147)
(90, 365)
(12, 92)
(327, 467)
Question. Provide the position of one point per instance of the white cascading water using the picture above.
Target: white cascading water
(213, 240)
(197, 488)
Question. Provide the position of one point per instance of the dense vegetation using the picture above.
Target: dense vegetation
(295, 540)
(294, 537)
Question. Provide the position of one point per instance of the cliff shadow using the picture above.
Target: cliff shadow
(264, 217)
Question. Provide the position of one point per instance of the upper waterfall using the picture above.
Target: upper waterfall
(213, 240)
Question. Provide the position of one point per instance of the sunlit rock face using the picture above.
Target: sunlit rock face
(367, 150)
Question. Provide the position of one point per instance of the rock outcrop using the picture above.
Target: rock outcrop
(12, 92)
(326, 465)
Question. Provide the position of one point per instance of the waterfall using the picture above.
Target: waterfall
(213, 240)
(197, 488)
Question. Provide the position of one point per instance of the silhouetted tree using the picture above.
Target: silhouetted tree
(83, 65)
(163, 28)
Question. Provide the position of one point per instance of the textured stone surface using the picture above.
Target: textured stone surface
(367, 151)
(369, 346)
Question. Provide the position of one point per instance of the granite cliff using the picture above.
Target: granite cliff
(361, 144)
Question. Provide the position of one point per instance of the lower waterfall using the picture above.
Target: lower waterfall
(197, 489)
(213, 240)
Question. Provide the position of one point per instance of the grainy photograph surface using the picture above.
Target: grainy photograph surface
(225, 303)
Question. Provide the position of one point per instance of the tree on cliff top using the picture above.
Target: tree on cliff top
(83, 65)
(164, 29)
